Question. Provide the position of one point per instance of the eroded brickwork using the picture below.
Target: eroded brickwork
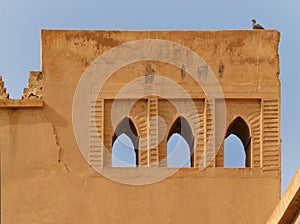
(35, 86)
(3, 94)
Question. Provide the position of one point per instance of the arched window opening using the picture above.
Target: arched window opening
(237, 148)
(180, 144)
(178, 152)
(123, 154)
(234, 155)
(125, 144)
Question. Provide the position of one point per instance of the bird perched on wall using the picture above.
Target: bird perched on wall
(256, 26)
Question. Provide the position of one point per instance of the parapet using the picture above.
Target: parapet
(3, 93)
(35, 86)
(32, 95)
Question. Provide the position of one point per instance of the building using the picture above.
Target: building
(56, 142)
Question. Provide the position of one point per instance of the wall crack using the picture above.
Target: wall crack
(60, 149)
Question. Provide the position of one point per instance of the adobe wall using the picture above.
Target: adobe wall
(287, 209)
(46, 179)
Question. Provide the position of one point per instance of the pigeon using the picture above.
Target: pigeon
(256, 26)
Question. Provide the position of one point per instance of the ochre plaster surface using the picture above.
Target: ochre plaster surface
(46, 179)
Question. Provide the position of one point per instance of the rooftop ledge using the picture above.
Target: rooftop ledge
(195, 172)
(24, 103)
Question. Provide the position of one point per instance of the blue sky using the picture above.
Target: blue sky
(21, 22)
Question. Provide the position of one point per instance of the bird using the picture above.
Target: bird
(256, 26)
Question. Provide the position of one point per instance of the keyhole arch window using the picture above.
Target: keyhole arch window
(180, 144)
(125, 142)
(237, 144)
